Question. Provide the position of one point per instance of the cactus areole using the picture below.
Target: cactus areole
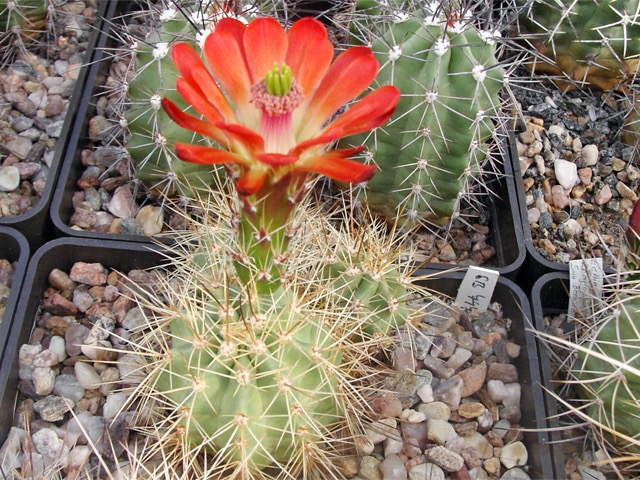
(267, 103)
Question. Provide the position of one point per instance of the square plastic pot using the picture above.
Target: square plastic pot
(14, 248)
(123, 256)
(505, 228)
(516, 307)
(35, 224)
(535, 265)
(550, 296)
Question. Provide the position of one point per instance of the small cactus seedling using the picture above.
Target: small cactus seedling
(21, 22)
(432, 152)
(583, 42)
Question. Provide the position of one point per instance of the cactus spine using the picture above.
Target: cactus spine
(432, 152)
(584, 42)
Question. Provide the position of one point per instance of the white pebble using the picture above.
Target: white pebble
(57, 346)
(43, 380)
(514, 455)
(9, 178)
(425, 392)
(566, 173)
(590, 155)
(113, 405)
(379, 430)
(87, 376)
(496, 390)
(512, 398)
(426, 470)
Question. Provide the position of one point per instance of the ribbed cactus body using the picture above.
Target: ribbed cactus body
(611, 381)
(152, 133)
(597, 43)
(253, 378)
(433, 149)
(379, 296)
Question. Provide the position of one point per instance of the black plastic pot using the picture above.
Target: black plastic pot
(550, 296)
(35, 224)
(516, 307)
(535, 265)
(14, 248)
(123, 256)
(505, 229)
(62, 254)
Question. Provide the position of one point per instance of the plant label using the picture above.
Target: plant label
(476, 289)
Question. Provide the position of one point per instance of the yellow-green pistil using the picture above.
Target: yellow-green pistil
(279, 80)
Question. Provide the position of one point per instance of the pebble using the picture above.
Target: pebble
(514, 455)
(122, 203)
(67, 386)
(52, 408)
(428, 471)
(590, 155)
(449, 392)
(381, 429)
(444, 458)
(51, 447)
(439, 431)
(604, 195)
(87, 376)
(571, 228)
(560, 197)
(473, 379)
(43, 379)
(566, 173)
(392, 468)
(9, 178)
(151, 219)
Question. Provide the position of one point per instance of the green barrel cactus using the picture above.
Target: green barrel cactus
(265, 385)
(253, 379)
(583, 41)
(607, 371)
(432, 151)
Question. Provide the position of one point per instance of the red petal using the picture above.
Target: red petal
(194, 73)
(192, 123)
(371, 112)
(247, 137)
(310, 53)
(334, 166)
(226, 57)
(195, 98)
(251, 181)
(203, 155)
(351, 73)
(265, 42)
(277, 159)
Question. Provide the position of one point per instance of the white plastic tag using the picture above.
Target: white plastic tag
(476, 289)
(585, 285)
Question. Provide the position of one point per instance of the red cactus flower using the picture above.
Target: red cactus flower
(281, 91)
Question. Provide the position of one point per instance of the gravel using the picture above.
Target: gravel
(35, 92)
(456, 408)
(580, 179)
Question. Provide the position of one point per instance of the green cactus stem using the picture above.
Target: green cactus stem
(432, 151)
(253, 377)
(583, 42)
(608, 375)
